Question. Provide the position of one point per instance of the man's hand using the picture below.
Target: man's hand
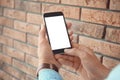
(85, 63)
(45, 53)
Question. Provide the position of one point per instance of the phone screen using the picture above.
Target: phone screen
(57, 32)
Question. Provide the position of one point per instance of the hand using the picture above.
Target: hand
(45, 53)
(85, 63)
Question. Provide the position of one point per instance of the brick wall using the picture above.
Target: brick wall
(96, 24)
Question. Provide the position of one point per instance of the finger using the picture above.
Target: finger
(42, 32)
(69, 25)
(77, 52)
(65, 62)
(86, 49)
(77, 63)
(71, 38)
(65, 56)
(75, 45)
(70, 33)
(73, 51)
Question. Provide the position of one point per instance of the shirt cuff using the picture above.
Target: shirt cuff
(49, 74)
(114, 74)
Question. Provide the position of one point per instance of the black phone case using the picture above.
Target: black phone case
(56, 14)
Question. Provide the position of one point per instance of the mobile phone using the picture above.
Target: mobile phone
(57, 31)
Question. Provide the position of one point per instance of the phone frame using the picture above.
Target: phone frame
(50, 14)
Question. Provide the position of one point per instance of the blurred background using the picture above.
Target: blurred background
(96, 24)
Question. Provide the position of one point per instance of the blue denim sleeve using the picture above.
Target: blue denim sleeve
(114, 74)
(49, 74)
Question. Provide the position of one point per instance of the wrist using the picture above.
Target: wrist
(46, 66)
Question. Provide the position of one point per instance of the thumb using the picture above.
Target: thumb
(73, 51)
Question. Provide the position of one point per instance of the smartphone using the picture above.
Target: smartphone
(57, 32)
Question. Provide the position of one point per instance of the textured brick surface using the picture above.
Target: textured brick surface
(1, 29)
(34, 18)
(32, 60)
(33, 29)
(54, 1)
(28, 6)
(1, 11)
(14, 34)
(113, 35)
(15, 14)
(24, 67)
(33, 40)
(14, 72)
(6, 22)
(115, 4)
(88, 3)
(25, 48)
(102, 17)
(14, 53)
(6, 41)
(5, 76)
(7, 3)
(106, 48)
(67, 10)
(25, 27)
(110, 63)
(87, 29)
(95, 23)
(5, 58)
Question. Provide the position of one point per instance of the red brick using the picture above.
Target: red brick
(115, 4)
(113, 35)
(99, 57)
(6, 41)
(70, 12)
(101, 17)
(5, 58)
(33, 40)
(54, 1)
(19, 4)
(14, 72)
(33, 7)
(20, 15)
(28, 77)
(7, 3)
(25, 27)
(33, 29)
(14, 53)
(4, 76)
(0, 47)
(1, 11)
(31, 60)
(15, 14)
(9, 12)
(105, 48)
(34, 18)
(14, 34)
(28, 6)
(24, 67)
(88, 29)
(1, 29)
(21, 26)
(110, 63)
(6, 22)
(87, 3)
(26, 48)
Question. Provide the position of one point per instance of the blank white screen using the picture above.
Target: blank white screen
(57, 32)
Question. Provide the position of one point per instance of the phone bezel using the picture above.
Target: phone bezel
(56, 14)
